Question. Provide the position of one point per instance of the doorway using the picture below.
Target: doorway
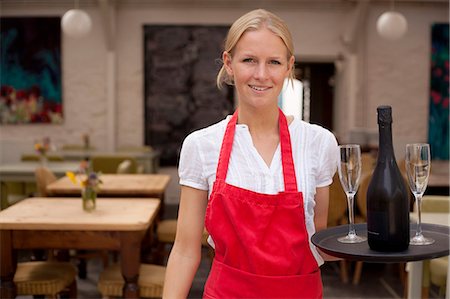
(318, 91)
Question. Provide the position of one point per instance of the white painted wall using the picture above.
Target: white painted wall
(380, 72)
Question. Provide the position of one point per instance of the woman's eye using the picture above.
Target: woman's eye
(274, 62)
(248, 60)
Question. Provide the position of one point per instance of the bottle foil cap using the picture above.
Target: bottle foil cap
(384, 114)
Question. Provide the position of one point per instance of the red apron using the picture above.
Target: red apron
(261, 242)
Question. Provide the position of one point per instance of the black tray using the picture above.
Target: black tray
(327, 241)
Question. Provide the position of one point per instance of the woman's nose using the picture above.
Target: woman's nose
(261, 71)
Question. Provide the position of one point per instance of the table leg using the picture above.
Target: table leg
(130, 252)
(8, 265)
(414, 279)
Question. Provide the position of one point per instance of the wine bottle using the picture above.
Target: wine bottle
(387, 195)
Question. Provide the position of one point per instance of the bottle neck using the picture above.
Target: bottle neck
(385, 150)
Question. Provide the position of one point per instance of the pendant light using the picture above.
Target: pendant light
(392, 25)
(76, 22)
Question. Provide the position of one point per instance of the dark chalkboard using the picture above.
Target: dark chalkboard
(181, 65)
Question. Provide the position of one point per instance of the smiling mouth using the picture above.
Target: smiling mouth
(258, 88)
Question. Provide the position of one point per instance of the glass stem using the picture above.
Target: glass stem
(351, 220)
(419, 214)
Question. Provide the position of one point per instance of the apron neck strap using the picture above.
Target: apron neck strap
(290, 181)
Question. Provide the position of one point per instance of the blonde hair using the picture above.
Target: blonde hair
(254, 20)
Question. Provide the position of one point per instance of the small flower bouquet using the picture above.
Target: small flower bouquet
(90, 185)
(42, 148)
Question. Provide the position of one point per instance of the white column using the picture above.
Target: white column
(111, 100)
(414, 279)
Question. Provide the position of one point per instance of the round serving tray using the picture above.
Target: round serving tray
(327, 241)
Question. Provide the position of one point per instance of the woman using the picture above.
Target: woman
(257, 180)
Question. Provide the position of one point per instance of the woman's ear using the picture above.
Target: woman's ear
(291, 63)
(226, 58)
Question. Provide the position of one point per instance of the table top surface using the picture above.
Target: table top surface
(111, 214)
(116, 184)
(327, 241)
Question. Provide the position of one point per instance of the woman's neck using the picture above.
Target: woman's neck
(259, 121)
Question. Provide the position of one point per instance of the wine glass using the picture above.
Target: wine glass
(417, 162)
(349, 169)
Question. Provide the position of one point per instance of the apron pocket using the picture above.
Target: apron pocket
(228, 282)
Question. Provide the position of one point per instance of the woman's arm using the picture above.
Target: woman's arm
(185, 256)
(321, 216)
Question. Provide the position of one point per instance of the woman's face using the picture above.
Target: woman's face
(258, 66)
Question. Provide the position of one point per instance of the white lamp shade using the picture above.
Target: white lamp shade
(392, 25)
(76, 23)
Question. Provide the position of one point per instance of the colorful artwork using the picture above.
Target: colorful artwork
(30, 70)
(438, 130)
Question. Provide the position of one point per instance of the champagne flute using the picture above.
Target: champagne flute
(349, 169)
(417, 162)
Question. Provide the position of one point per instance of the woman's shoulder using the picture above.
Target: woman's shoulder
(311, 131)
(210, 133)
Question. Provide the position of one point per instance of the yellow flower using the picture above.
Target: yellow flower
(72, 177)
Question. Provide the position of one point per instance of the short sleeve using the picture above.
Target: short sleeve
(190, 169)
(328, 160)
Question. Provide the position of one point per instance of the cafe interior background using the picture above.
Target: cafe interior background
(116, 89)
(144, 74)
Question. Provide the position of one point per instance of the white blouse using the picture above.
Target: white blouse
(314, 151)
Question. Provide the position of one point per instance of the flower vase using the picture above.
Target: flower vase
(43, 160)
(89, 196)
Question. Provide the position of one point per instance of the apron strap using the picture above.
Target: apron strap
(225, 150)
(290, 181)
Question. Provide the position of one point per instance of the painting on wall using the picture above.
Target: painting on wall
(30, 70)
(181, 65)
(438, 129)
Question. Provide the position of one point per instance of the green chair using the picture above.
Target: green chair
(131, 148)
(110, 163)
(435, 270)
(35, 157)
(76, 147)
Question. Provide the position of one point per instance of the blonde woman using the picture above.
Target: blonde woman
(257, 180)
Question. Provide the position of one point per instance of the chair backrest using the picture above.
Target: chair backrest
(35, 157)
(368, 162)
(43, 177)
(337, 206)
(76, 147)
(436, 204)
(361, 195)
(126, 166)
(130, 148)
(110, 163)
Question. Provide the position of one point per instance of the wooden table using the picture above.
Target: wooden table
(60, 223)
(117, 185)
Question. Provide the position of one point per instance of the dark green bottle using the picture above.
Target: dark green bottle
(387, 195)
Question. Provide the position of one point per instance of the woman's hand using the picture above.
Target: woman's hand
(321, 216)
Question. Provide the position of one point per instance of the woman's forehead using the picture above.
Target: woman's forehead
(261, 40)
